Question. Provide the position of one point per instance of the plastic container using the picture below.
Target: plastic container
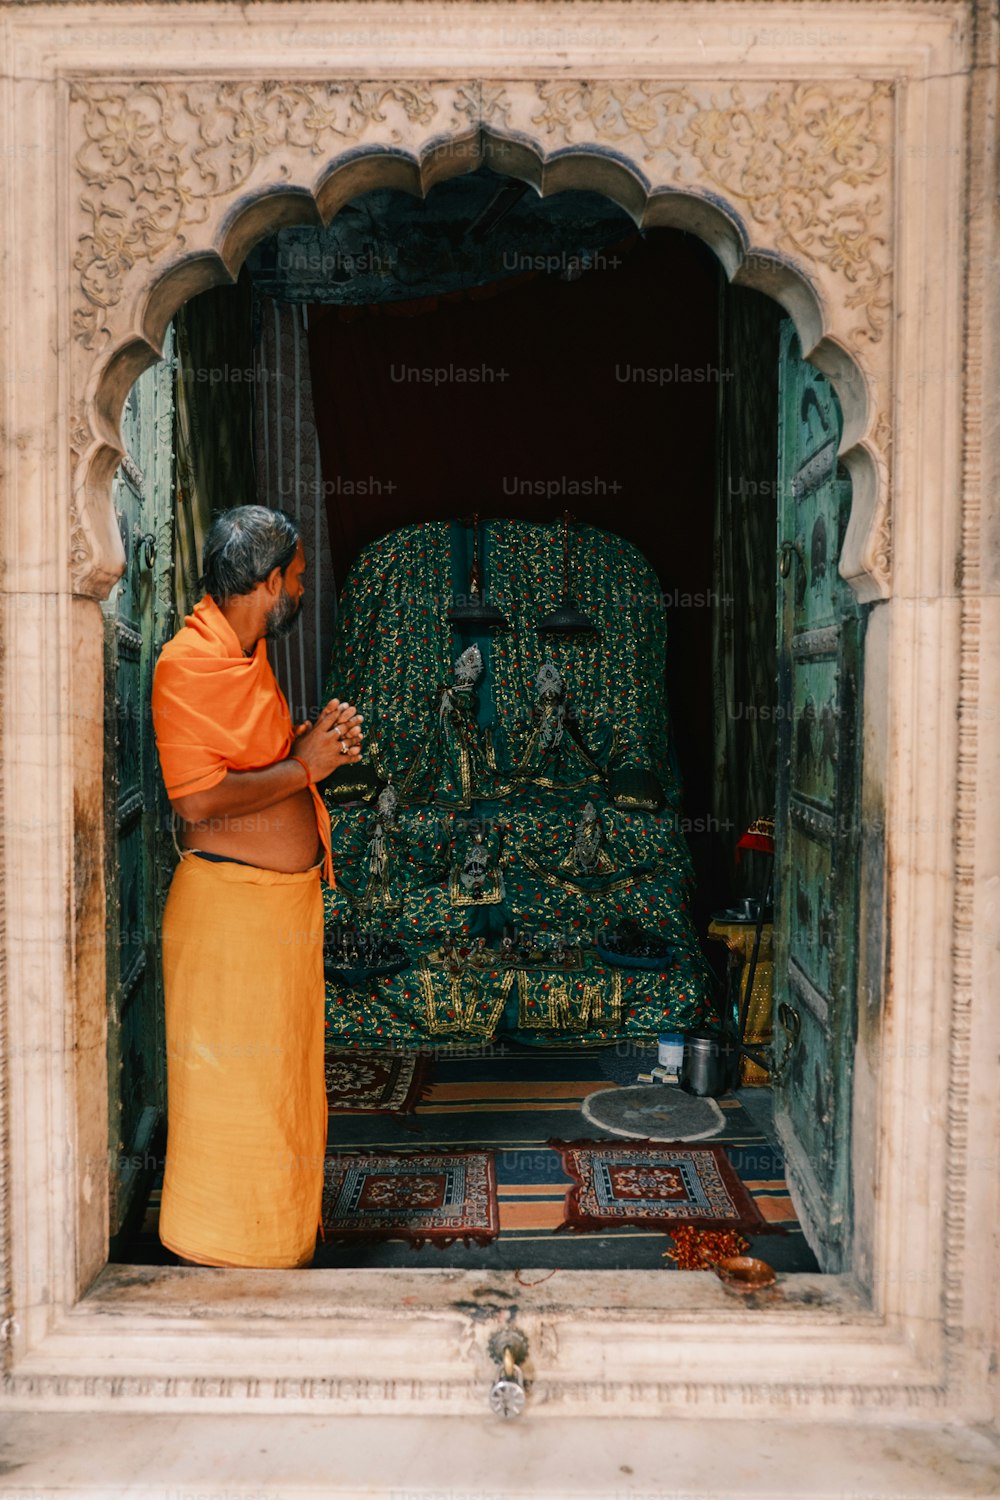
(670, 1050)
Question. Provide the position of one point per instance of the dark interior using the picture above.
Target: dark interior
(616, 374)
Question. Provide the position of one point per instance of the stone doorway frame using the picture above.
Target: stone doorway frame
(133, 183)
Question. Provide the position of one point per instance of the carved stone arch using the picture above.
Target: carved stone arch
(180, 180)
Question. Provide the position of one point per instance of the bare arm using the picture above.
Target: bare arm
(242, 792)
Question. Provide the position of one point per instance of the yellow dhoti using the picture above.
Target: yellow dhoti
(246, 1096)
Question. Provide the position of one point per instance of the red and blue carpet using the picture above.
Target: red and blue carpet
(365, 1083)
(655, 1185)
(510, 1102)
(431, 1197)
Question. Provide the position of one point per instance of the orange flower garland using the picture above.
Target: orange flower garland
(700, 1249)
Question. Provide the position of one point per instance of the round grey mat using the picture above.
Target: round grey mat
(655, 1112)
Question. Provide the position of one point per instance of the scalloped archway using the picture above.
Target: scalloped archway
(180, 181)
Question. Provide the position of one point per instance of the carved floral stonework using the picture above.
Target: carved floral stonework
(802, 168)
(805, 163)
(156, 157)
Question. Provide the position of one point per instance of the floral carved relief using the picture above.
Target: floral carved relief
(806, 162)
(803, 167)
(155, 158)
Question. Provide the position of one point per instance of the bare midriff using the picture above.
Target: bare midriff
(281, 837)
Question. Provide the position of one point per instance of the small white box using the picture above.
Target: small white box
(670, 1050)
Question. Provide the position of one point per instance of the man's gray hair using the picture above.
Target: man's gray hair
(242, 546)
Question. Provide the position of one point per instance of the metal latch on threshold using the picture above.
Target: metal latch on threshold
(509, 1348)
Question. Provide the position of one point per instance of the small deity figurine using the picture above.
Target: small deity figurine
(396, 855)
(387, 805)
(448, 769)
(558, 950)
(378, 888)
(555, 755)
(590, 866)
(551, 706)
(588, 836)
(475, 869)
(476, 877)
(468, 668)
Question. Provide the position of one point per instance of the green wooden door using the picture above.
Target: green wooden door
(819, 658)
(138, 618)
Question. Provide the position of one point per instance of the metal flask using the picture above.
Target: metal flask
(702, 1070)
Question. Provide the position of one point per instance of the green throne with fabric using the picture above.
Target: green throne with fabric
(517, 797)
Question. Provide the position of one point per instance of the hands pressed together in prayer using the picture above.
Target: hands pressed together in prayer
(333, 740)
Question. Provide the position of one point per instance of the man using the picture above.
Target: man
(243, 923)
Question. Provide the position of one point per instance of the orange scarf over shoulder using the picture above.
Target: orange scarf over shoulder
(216, 710)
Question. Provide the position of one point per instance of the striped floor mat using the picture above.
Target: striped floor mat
(516, 1099)
(513, 1100)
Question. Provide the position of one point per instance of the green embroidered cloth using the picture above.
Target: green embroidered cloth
(533, 794)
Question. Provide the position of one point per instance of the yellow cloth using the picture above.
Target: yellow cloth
(215, 709)
(739, 938)
(246, 1094)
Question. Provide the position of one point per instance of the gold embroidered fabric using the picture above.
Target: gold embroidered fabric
(512, 762)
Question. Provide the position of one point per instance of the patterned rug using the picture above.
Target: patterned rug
(364, 1083)
(431, 1196)
(511, 1102)
(654, 1185)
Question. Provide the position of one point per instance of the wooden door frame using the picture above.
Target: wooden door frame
(846, 197)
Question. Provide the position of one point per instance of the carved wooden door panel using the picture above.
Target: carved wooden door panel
(820, 629)
(138, 618)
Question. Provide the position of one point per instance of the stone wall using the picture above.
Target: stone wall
(844, 166)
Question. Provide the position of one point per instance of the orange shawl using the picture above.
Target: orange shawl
(216, 710)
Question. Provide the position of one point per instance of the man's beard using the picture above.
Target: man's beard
(281, 617)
